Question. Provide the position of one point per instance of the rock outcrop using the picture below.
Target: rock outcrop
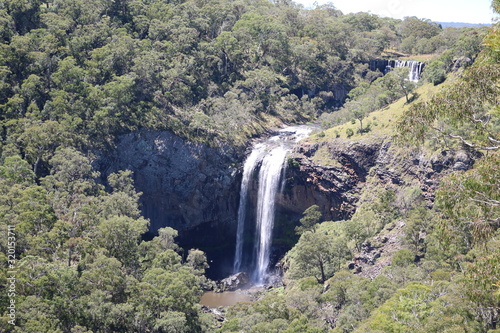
(332, 174)
(333, 182)
(234, 282)
(461, 63)
(377, 253)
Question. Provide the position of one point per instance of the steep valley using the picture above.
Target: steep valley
(195, 188)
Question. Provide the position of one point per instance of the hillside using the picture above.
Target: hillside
(380, 123)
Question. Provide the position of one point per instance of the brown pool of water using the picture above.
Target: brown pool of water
(227, 298)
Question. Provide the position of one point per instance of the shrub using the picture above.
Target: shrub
(403, 258)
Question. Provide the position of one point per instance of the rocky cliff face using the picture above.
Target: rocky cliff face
(190, 187)
(329, 175)
(332, 182)
(333, 174)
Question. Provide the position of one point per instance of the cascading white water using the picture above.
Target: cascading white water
(269, 181)
(248, 169)
(385, 66)
(271, 157)
(416, 68)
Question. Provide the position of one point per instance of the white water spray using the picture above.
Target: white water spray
(248, 169)
(269, 181)
(271, 155)
(414, 66)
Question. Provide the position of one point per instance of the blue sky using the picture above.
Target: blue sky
(470, 11)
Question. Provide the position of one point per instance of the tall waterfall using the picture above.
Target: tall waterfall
(248, 169)
(269, 158)
(269, 181)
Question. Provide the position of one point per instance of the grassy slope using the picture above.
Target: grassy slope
(382, 122)
(382, 127)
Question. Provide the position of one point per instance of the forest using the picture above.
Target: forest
(77, 74)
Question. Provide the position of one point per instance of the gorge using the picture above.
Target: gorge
(211, 197)
(214, 196)
(146, 169)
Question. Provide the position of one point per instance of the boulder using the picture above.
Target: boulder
(234, 282)
(461, 62)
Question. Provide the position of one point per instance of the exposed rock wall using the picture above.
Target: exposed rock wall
(334, 181)
(191, 187)
(331, 186)
(185, 185)
(345, 170)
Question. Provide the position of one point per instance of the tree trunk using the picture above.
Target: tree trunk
(322, 269)
(35, 167)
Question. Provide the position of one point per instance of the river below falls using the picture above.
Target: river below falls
(214, 300)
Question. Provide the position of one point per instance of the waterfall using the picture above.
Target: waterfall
(248, 169)
(385, 66)
(270, 155)
(416, 68)
(269, 181)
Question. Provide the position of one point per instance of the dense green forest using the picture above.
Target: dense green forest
(216, 71)
(75, 74)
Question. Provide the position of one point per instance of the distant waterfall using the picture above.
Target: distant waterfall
(415, 68)
(269, 158)
(269, 183)
(385, 66)
(248, 169)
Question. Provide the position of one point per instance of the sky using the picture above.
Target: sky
(469, 11)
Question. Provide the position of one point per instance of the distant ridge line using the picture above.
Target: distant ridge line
(463, 24)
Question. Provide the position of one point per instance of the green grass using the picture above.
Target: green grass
(382, 122)
(420, 57)
(322, 157)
